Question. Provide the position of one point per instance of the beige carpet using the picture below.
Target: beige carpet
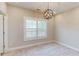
(50, 49)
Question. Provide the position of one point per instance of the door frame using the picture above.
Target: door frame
(5, 33)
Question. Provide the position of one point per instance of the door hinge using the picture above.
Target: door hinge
(3, 32)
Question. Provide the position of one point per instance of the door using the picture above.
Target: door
(1, 33)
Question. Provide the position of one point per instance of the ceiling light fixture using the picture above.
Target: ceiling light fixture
(48, 13)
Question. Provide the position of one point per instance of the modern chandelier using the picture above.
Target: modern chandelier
(48, 13)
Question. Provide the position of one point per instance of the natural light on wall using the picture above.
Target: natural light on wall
(34, 28)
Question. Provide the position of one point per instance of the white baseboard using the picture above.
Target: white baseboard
(68, 46)
(26, 46)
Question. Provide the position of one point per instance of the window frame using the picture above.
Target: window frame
(37, 37)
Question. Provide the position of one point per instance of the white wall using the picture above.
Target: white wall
(67, 28)
(15, 26)
(3, 8)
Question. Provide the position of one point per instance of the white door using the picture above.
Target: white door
(1, 33)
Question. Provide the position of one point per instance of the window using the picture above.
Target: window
(35, 29)
(42, 29)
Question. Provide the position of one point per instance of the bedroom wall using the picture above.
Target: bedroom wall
(15, 26)
(67, 28)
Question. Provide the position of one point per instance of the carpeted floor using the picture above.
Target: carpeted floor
(50, 49)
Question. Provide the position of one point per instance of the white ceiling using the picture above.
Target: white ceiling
(56, 6)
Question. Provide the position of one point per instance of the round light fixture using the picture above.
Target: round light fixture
(48, 14)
